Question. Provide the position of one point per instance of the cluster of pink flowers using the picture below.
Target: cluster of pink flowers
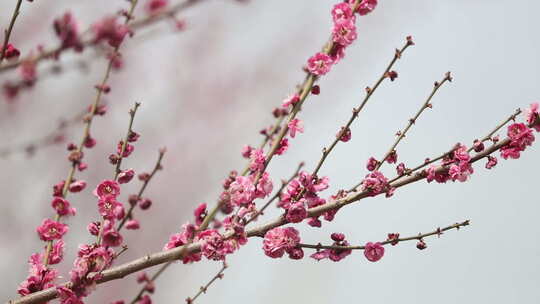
(110, 30)
(279, 240)
(343, 34)
(335, 255)
(302, 193)
(40, 276)
(67, 30)
(521, 137)
(457, 164)
(376, 183)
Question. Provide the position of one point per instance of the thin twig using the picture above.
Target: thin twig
(7, 32)
(204, 289)
(420, 236)
(412, 121)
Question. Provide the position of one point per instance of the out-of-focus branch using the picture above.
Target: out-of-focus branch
(7, 32)
(46, 54)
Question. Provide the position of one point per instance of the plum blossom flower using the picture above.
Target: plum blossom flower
(246, 151)
(155, 6)
(126, 176)
(296, 213)
(344, 32)
(334, 255)
(375, 183)
(283, 146)
(258, 160)
(67, 30)
(107, 188)
(110, 30)
(62, 206)
(366, 7)
(133, 225)
(373, 251)
(372, 164)
(214, 246)
(291, 100)
(342, 11)
(460, 171)
(57, 252)
(109, 207)
(264, 186)
(295, 125)
(319, 64)
(520, 137)
(200, 214)
(279, 240)
(11, 52)
(344, 135)
(492, 162)
(242, 190)
(77, 186)
(51, 230)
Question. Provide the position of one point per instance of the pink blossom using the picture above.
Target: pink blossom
(319, 64)
(257, 160)
(62, 206)
(532, 116)
(296, 213)
(107, 188)
(155, 6)
(77, 186)
(283, 146)
(394, 238)
(126, 176)
(127, 150)
(93, 228)
(460, 172)
(520, 137)
(246, 151)
(279, 240)
(11, 52)
(342, 11)
(145, 203)
(372, 164)
(366, 7)
(392, 157)
(67, 30)
(373, 251)
(264, 186)
(478, 145)
(67, 296)
(291, 100)
(344, 32)
(132, 225)
(200, 213)
(108, 207)
(461, 153)
(112, 238)
(51, 230)
(295, 125)
(242, 190)
(110, 30)
(439, 177)
(145, 300)
(57, 252)
(345, 135)
(492, 162)
(375, 183)
(214, 247)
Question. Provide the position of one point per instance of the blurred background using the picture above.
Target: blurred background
(207, 91)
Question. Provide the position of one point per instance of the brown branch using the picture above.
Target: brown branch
(420, 236)
(143, 187)
(204, 289)
(412, 121)
(173, 10)
(356, 111)
(7, 32)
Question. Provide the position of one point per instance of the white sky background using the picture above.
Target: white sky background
(208, 91)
